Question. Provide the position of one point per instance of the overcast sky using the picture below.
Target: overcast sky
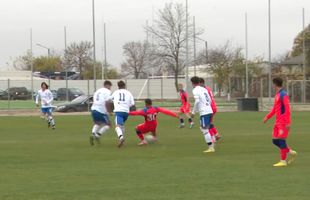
(221, 20)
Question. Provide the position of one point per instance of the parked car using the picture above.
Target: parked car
(54, 92)
(72, 93)
(15, 93)
(79, 104)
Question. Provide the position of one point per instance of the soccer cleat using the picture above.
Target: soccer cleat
(292, 155)
(191, 125)
(181, 126)
(48, 124)
(210, 150)
(142, 143)
(91, 140)
(280, 164)
(121, 142)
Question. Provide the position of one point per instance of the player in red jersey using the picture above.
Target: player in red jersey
(150, 115)
(213, 131)
(185, 108)
(281, 109)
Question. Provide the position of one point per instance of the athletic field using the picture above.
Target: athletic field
(40, 164)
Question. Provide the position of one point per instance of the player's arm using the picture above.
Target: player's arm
(37, 98)
(138, 112)
(286, 103)
(196, 104)
(167, 112)
(270, 114)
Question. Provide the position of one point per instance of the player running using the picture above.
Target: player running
(46, 97)
(213, 131)
(150, 114)
(123, 101)
(99, 112)
(282, 124)
(185, 108)
(203, 106)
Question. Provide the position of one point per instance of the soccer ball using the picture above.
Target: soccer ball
(150, 139)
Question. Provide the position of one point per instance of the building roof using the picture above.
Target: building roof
(297, 60)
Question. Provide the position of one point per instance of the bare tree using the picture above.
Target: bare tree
(22, 62)
(169, 32)
(137, 55)
(78, 55)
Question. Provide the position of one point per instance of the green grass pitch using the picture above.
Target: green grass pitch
(40, 164)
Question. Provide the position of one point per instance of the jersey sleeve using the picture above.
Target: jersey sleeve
(286, 103)
(196, 105)
(37, 97)
(138, 112)
(167, 112)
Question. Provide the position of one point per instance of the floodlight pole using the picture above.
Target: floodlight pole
(94, 44)
(186, 59)
(304, 56)
(269, 47)
(246, 58)
(66, 66)
(105, 52)
(194, 40)
(31, 63)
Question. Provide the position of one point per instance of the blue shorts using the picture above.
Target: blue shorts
(121, 118)
(205, 121)
(99, 117)
(46, 110)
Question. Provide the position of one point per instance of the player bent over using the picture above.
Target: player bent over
(282, 125)
(203, 106)
(185, 108)
(46, 97)
(213, 130)
(123, 101)
(99, 112)
(150, 114)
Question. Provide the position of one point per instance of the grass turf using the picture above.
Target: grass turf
(38, 163)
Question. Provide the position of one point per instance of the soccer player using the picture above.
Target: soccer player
(46, 97)
(150, 114)
(123, 101)
(203, 106)
(185, 108)
(213, 131)
(99, 112)
(282, 124)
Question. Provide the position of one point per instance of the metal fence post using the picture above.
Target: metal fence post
(148, 88)
(9, 103)
(261, 93)
(88, 92)
(161, 88)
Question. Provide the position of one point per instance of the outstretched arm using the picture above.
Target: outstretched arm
(167, 112)
(135, 113)
(270, 114)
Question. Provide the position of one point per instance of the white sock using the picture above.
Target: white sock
(103, 130)
(119, 132)
(213, 138)
(208, 137)
(95, 129)
(51, 120)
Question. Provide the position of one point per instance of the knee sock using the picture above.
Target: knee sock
(103, 130)
(208, 137)
(284, 149)
(140, 135)
(51, 120)
(119, 132)
(95, 130)
(181, 121)
(190, 120)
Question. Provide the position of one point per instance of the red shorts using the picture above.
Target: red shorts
(185, 109)
(146, 128)
(280, 131)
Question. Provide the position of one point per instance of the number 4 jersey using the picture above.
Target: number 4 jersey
(202, 101)
(122, 100)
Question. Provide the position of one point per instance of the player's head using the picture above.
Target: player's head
(107, 84)
(148, 102)
(121, 85)
(180, 86)
(44, 86)
(277, 82)
(195, 81)
(202, 82)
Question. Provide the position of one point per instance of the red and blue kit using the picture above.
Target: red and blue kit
(150, 116)
(186, 106)
(282, 111)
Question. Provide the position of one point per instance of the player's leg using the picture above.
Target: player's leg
(51, 120)
(120, 119)
(95, 129)
(140, 134)
(281, 144)
(181, 118)
(190, 120)
(204, 127)
(104, 124)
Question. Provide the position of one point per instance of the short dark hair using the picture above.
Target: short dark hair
(202, 81)
(121, 84)
(148, 102)
(44, 83)
(107, 83)
(278, 81)
(195, 80)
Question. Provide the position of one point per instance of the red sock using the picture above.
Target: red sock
(141, 136)
(211, 131)
(284, 153)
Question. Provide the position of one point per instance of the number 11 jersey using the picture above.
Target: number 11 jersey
(122, 100)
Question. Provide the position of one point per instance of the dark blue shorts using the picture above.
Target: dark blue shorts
(100, 117)
(205, 121)
(46, 110)
(121, 118)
